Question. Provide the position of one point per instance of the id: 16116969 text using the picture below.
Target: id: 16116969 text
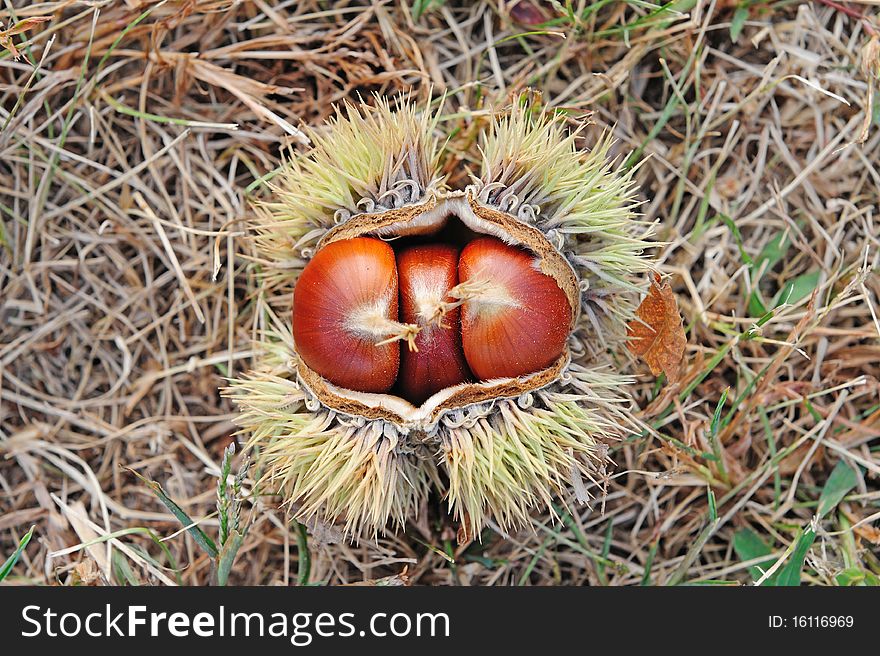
(811, 622)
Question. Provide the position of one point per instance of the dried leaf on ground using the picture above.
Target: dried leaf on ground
(6, 40)
(656, 334)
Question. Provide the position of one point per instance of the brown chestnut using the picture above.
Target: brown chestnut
(426, 274)
(518, 321)
(344, 311)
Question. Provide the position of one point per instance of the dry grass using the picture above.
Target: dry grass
(126, 165)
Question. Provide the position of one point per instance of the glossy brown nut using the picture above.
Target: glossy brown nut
(341, 300)
(520, 323)
(426, 274)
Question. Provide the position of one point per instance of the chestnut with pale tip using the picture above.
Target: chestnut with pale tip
(426, 274)
(345, 315)
(515, 320)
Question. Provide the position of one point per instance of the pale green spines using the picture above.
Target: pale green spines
(326, 467)
(534, 169)
(528, 450)
(368, 158)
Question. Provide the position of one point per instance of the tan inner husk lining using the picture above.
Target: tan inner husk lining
(406, 415)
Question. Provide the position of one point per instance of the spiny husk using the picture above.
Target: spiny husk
(366, 159)
(326, 466)
(501, 458)
(583, 203)
(493, 460)
(529, 449)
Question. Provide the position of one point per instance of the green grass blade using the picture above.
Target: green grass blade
(797, 289)
(198, 534)
(738, 22)
(843, 479)
(749, 546)
(791, 573)
(713, 508)
(122, 571)
(10, 562)
(304, 557)
(693, 553)
(227, 556)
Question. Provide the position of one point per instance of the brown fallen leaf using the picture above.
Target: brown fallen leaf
(656, 334)
(6, 35)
